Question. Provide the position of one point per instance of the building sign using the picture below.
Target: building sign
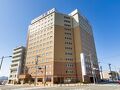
(43, 15)
(83, 65)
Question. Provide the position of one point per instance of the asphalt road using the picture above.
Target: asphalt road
(81, 87)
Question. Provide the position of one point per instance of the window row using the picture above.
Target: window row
(43, 20)
(66, 17)
(69, 65)
(37, 34)
(68, 33)
(68, 53)
(38, 30)
(68, 43)
(42, 72)
(69, 71)
(37, 46)
(68, 38)
(39, 61)
(38, 42)
(42, 26)
(69, 48)
(42, 66)
(37, 51)
(38, 39)
(69, 59)
(67, 29)
(67, 25)
(13, 76)
(66, 21)
(40, 50)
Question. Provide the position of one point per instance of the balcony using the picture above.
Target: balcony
(13, 73)
(14, 68)
(15, 51)
(12, 78)
(14, 63)
(18, 54)
(17, 58)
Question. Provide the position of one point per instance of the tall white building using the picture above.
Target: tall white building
(17, 64)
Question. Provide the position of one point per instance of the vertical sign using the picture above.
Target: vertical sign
(83, 65)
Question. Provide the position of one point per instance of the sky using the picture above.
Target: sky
(104, 16)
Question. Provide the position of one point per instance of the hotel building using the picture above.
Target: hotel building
(16, 67)
(62, 48)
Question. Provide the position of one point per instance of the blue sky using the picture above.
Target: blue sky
(104, 16)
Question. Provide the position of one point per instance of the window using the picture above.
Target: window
(68, 38)
(66, 17)
(66, 21)
(43, 54)
(68, 53)
(68, 43)
(42, 60)
(69, 48)
(69, 65)
(67, 33)
(46, 60)
(67, 25)
(69, 71)
(47, 54)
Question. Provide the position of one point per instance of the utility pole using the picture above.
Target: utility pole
(110, 71)
(45, 75)
(1, 62)
(36, 66)
(3, 59)
(92, 68)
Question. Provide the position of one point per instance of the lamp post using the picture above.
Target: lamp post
(3, 59)
(44, 75)
(110, 71)
(109, 67)
(36, 66)
(92, 68)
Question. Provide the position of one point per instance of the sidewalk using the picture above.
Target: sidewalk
(28, 87)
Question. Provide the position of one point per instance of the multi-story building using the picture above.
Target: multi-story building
(64, 47)
(111, 76)
(16, 68)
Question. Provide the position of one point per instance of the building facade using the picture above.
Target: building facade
(63, 46)
(110, 76)
(16, 68)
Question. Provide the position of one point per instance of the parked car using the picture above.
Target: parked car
(119, 81)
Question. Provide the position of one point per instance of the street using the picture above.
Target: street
(80, 87)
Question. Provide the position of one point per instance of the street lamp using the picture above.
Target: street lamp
(109, 67)
(2, 60)
(92, 68)
(36, 66)
(44, 73)
(110, 71)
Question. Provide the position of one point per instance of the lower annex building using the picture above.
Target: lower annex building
(62, 48)
(16, 68)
